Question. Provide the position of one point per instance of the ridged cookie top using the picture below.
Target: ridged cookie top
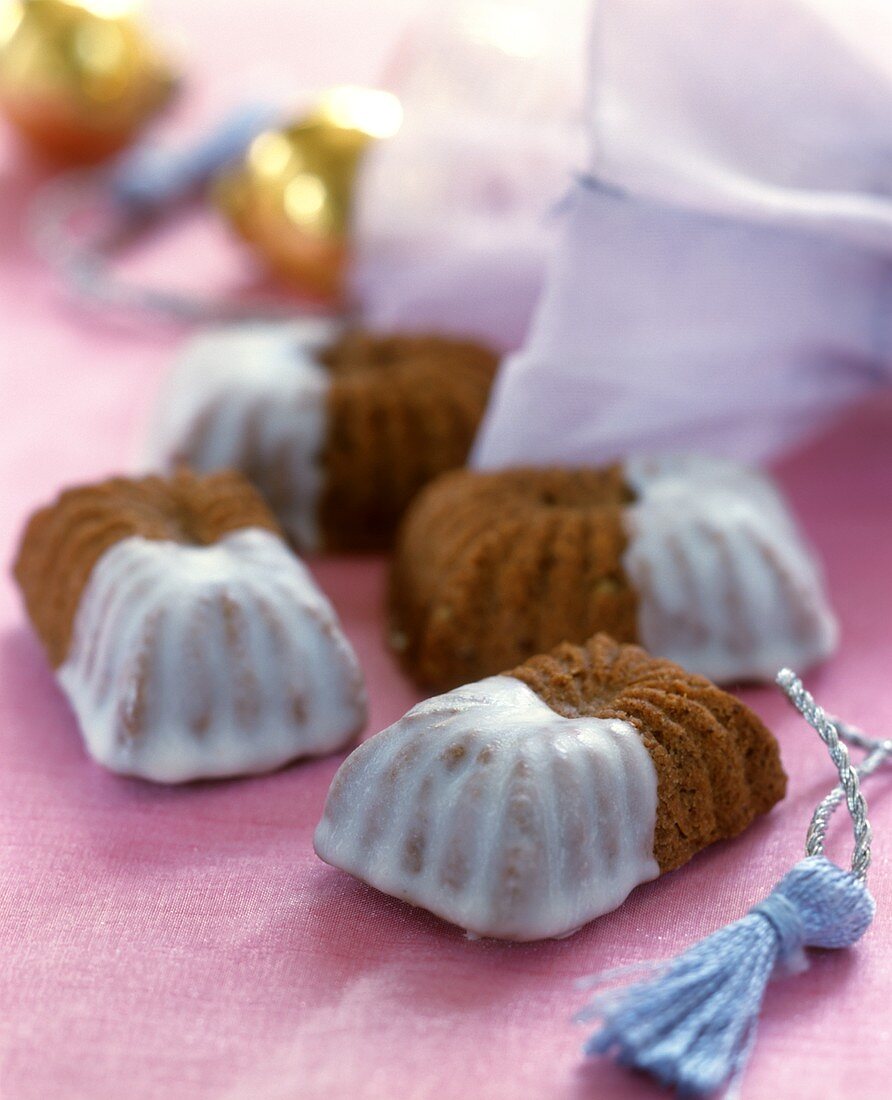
(402, 354)
(401, 410)
(63, 541)
(491, 568)
(718, 766)
(523, 805)
(695, 558)
(338, 432)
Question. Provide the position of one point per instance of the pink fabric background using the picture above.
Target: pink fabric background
(187, 943)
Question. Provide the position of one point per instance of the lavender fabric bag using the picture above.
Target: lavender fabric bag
(451, 230)
(723, 277)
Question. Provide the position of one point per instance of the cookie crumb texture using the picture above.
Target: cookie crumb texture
(493, 568)
(401, 411)
(63, 541)
(718, 765)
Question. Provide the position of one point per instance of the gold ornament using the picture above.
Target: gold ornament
(291, 197)
(78, 79)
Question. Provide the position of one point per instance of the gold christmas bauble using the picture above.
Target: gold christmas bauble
(292, 195)
(78, 78)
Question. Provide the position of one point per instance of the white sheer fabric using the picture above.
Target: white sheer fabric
(723, 280)
(451, 224)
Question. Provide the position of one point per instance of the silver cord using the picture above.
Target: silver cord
(852, 735)
(817, 829)
(832, 733)
(83, 261)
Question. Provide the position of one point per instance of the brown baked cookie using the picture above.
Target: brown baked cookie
(339, 432)
(718, 767)
(63, 541)
(696, 559)
(523, 805)
(189, 639)
(490, 568)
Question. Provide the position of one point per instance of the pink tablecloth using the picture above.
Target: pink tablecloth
(187, 943)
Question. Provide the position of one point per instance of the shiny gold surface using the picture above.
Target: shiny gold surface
(78, 79)
(292, 195)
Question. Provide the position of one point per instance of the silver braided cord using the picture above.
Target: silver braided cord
(832, 733)
(817, 829)
(854, 736)
(84, 261)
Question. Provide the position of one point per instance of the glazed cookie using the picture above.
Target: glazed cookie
(698, 560)
(338, 432)
(189, 639)
(526, 804)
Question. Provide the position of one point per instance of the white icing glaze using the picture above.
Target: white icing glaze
(191, 662)
(251, 398)
(727, 587)
(491, 810)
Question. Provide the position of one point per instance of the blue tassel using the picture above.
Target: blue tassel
(692, 1025)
